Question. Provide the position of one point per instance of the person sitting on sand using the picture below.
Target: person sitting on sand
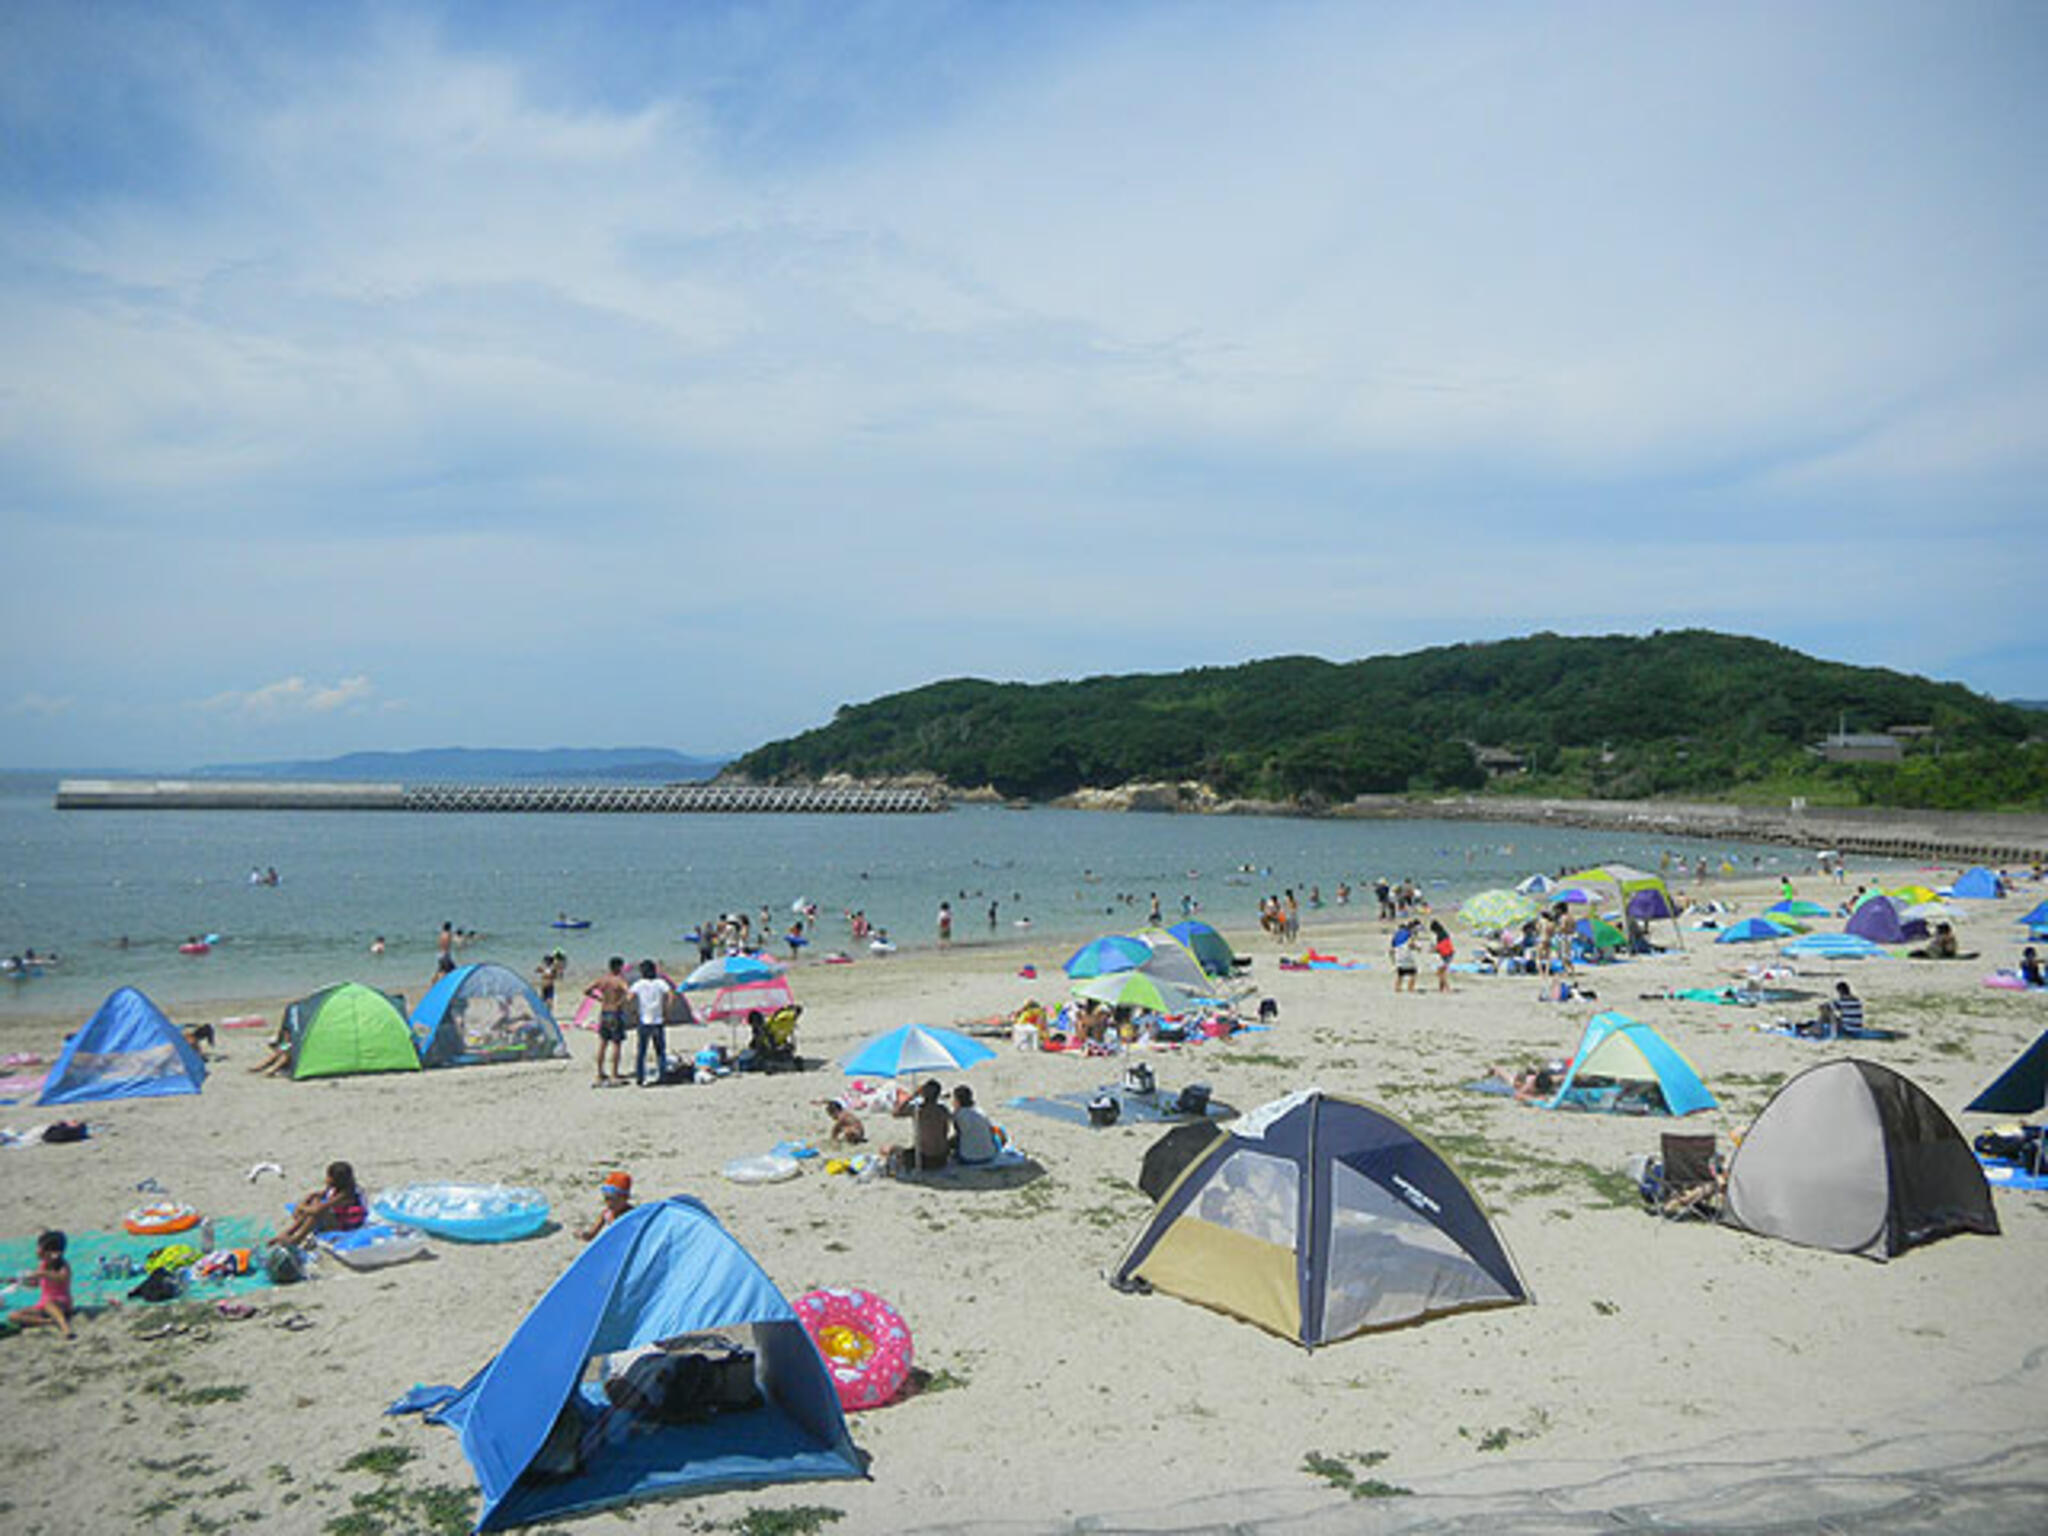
(1942, 946)
(280, 1057)
(1533, 1082)
(974, 1139)
(1842, 1014)
(846, 1127)
(934, 1125)
(52, 1307)
(199, 1036)
(617, 1193)
(337, 1206)
(2031, 971)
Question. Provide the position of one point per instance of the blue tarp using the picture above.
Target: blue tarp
(128, 1050)
(1619, 1047)
(661, 1271)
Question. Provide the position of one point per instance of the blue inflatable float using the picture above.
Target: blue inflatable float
(465, 1213)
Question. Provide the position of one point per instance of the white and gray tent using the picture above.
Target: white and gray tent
(1853, 1157)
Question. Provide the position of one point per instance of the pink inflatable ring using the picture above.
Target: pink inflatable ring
(863, 1341)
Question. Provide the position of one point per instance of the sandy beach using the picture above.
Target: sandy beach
(1681, 1372)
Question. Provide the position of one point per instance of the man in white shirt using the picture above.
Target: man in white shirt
(650, 995)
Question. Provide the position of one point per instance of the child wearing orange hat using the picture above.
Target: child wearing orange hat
(617, 1190)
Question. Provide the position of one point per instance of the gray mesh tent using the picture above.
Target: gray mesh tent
(1853, 1157)
(1318, 1217)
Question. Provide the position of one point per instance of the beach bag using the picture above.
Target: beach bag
(1193, 1100)
(1103, 1110)
(286, 1266)
(1138, 1078)
(65, 1130)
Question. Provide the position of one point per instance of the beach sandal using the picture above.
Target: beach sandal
(261, 1169)
(234, 1311)
(297, 1322)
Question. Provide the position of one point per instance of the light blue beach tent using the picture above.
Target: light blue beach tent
(1978, 884)
(1617, 1046)
(483, 1013)
(660, 1271)
(128, 1050)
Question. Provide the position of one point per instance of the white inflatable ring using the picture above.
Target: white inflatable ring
(771, 1168)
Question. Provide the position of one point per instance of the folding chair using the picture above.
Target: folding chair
(1691, 1177)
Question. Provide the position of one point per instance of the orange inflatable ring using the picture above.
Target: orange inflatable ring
(158, 1220)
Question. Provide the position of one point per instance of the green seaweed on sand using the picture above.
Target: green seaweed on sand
(1339, 1472)
(796, 1520)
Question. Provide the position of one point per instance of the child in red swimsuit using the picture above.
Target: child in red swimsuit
(337, 1207)
(53, 1307)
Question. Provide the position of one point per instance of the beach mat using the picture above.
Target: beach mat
(2010, 1175)
(1788, 1032)
(1132, 1109)
(91, 1290)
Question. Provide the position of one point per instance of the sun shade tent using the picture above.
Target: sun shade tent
(1853, 1157)
(347, 1029)
(659, 1272)
(1318, 1217)
(1210, 949)
(1978, 884)
(1613, 884)
(127, 1050)
(484, 1013)
(1880, 920)
(1628, 1051)
(2020, 1089)
(1174, 964)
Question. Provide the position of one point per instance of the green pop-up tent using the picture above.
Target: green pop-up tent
(347, 1029)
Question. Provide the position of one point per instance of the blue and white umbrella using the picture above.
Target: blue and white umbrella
(732, 971)
(917, 1048)
(1112, 952)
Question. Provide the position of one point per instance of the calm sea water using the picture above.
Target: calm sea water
(80, 882)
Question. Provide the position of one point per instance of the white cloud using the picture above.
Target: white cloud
(33, 703)
(291, 697)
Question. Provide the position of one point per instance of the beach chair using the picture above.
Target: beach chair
(1690, 1180)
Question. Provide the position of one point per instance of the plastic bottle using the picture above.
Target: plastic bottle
(206, 1242)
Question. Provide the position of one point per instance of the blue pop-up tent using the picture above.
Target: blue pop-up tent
(1629, 1051)
(1978, 884)
(483, 1013)
(659, 1272)
(128, 1050)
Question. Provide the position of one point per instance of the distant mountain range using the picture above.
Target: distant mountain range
(486, 765)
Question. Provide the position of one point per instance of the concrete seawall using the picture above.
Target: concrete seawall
(228, 795)
(1935, 836)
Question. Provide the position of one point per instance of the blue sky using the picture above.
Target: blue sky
(499, 374)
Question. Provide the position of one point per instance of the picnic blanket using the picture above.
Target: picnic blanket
(1792, 1032)
(100, 1264)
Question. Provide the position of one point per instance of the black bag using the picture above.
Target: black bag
(1193, 1100)
(65, 1130)
(157, 1285)
(285, 1265)
(1103, 1110)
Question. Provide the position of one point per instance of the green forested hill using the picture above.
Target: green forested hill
(1681, 713)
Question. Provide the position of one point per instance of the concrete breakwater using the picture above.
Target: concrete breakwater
(285, 795)
(1935, 836)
